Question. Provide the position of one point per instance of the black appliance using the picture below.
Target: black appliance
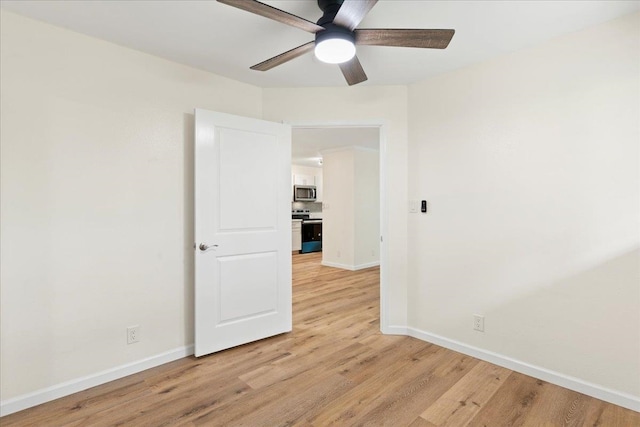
(311, 235)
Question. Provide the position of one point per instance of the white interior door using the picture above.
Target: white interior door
(242, 230)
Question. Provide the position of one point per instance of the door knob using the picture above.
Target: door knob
(204, 247)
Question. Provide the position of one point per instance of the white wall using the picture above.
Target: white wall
(530, 166)
(97, 196)
(366, 208)
(364, 105)
(338, 214)
(351, 214)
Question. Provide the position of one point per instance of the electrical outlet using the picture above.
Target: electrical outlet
(338, 254)
(133, 334)
(478, 323)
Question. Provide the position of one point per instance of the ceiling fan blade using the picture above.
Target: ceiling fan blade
(284, 57)
(352, 12)
(270, 12)
(434, 39)
(353, 72)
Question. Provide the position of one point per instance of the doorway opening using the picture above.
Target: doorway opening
(346, 165)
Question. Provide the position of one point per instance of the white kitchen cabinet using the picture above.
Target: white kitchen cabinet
(299, 179)
(296, 234)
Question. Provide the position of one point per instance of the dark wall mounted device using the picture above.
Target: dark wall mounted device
(423, 206)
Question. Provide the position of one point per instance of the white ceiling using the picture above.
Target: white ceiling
(307, 144)
(227, 41)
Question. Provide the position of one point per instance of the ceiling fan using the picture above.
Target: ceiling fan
(336, 35)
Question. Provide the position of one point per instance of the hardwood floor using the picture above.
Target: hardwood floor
(335, 368)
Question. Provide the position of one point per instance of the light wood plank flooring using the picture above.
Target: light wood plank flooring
(335, 368)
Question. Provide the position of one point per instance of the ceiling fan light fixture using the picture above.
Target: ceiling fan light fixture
(335, 51)
(335, 45)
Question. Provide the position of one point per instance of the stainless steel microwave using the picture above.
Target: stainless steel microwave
(304, 193)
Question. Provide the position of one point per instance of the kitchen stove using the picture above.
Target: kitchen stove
(300, 214)
(311, 231)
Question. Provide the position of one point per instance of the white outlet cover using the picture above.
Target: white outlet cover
(478, 322)
(133, 334)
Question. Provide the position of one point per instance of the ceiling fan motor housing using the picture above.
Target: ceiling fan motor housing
(329, 9)
(333, 31)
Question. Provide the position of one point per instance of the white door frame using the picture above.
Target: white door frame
(384, 228)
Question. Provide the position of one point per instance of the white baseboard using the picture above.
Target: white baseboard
(594, 390)
(367, 265)
(350, 267)
(394, 330)
(48, 394)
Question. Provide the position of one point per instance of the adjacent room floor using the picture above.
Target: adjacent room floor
(335, 368)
